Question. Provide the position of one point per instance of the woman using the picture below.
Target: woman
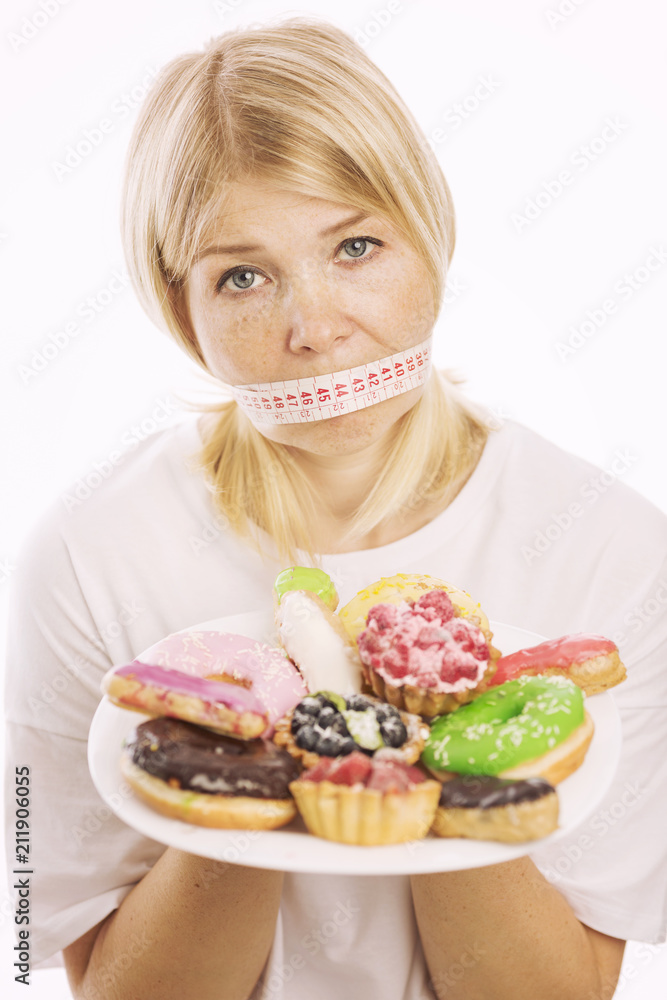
(284, 218)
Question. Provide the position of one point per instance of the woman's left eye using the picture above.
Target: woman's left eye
(356, 247)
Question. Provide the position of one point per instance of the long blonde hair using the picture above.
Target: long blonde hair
(298, 102)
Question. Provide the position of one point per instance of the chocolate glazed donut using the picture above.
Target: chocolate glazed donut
(490, 808)
(189, 772)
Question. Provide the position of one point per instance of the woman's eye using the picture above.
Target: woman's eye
(239, 281)
(356, 248)
(242, 279)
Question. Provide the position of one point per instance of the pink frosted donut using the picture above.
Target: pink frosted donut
(199, 669)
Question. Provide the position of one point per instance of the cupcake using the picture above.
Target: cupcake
(422, 657)
(365, 800)
(326, 724)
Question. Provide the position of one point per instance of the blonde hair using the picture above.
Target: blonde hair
(301, 103)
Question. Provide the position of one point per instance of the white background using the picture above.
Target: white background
(554, 80)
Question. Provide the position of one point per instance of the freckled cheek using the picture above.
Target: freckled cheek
(402, 302)
(233, 345)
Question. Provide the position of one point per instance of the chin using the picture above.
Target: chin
(347, 434)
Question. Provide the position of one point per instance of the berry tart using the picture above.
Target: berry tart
(420, 656)
(326, 724)
(365, 800)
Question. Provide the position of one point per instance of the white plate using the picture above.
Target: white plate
(292, 848)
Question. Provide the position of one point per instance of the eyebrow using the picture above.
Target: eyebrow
(241, 248)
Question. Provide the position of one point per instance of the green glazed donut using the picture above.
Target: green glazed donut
(306, 578)
(508, 725)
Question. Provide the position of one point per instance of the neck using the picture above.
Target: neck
(344, 480)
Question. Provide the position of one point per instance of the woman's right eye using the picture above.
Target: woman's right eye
(239, 280)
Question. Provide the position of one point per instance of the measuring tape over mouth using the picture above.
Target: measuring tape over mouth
(304, 400)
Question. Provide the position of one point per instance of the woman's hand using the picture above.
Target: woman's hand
(505, 932)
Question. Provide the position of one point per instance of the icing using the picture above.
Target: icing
(232, 696)
(560, 653)
(482, 791)
(306, 578)
(276, 681)
(516, 722)
(326, 658)
(421, 643)
(202, 761)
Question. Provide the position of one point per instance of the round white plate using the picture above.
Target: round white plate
(292, 848)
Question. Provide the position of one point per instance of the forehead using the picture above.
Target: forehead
(258, 205)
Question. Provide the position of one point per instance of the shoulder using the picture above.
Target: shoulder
(542, 475)
(129, 481)
(123, 504)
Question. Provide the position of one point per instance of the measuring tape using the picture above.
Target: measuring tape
(303, 400)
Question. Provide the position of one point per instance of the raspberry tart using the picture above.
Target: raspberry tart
(365, 800)
(422, 657)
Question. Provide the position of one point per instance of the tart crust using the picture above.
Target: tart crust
(353, 814)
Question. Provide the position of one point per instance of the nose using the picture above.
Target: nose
(314, 319)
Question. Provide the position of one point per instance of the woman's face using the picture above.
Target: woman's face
(290, 286)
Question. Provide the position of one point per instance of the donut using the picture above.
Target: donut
(190, 773)
(366, 800)
(315, 639)
(228, 682)
(590, 660)
(409, 586)
(223, 707)
(529, 727)
(419, 656)
(326, 724)
(483, 807)
(306, 578)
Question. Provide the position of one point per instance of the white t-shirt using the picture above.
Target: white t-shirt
(537, 535)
